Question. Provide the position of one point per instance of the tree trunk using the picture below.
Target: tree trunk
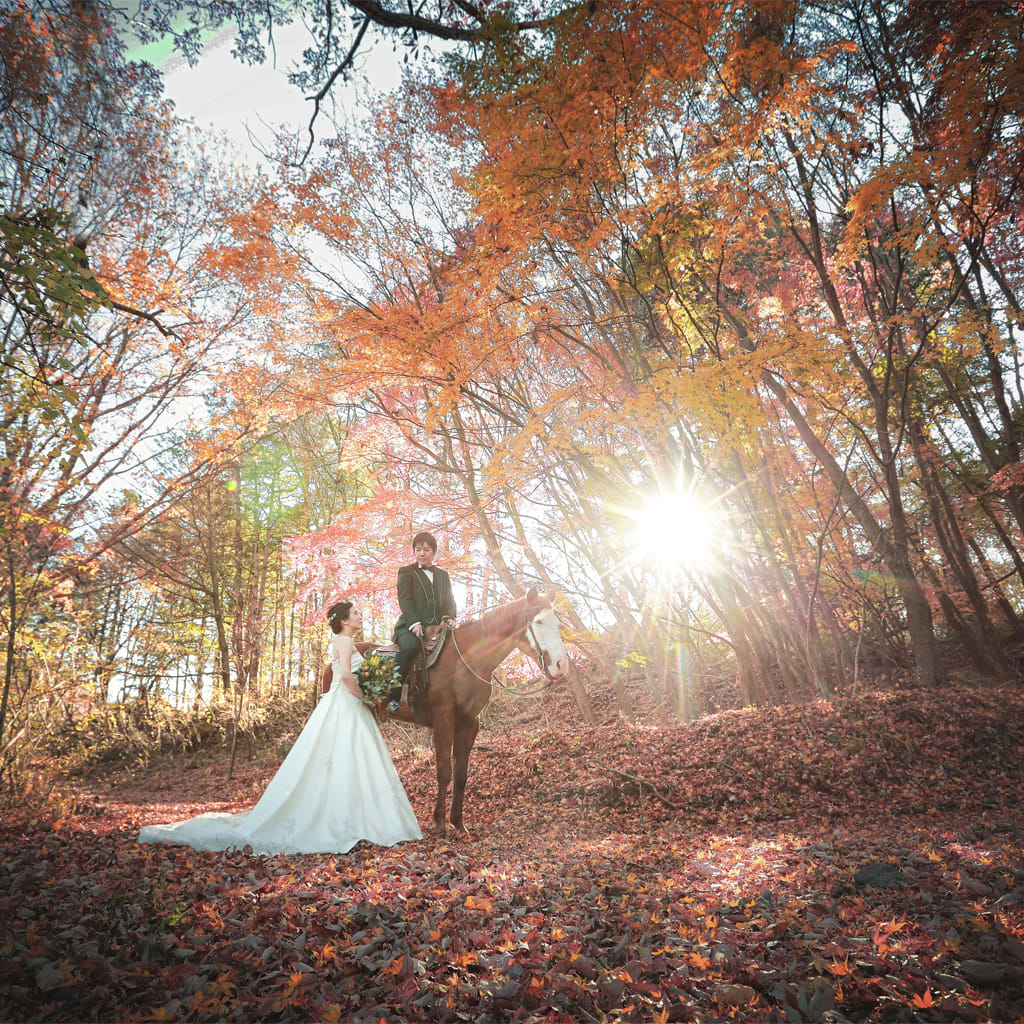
(919, 614)
(12, 632)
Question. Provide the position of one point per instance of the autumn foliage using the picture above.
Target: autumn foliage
(584, 262)
(763, 255)
(857, 858)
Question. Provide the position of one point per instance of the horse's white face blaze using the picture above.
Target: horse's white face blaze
(546, 640)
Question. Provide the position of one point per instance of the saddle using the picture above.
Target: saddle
(434, 638)
(433, 643)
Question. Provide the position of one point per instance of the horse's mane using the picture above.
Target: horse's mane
(497, 621)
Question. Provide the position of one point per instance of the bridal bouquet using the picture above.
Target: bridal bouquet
(377, 675)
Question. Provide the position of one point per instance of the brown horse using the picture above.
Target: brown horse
(460, 685)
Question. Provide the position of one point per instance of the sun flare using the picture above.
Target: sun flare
(673, 531)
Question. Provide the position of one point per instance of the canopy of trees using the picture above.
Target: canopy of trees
(763, 256)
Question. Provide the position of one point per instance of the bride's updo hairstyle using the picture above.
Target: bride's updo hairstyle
(337, 614)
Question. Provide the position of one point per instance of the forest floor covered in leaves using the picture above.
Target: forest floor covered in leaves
(859, 859)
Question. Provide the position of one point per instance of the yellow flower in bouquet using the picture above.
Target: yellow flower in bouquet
(377, 676)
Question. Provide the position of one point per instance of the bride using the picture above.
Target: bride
(336, 786)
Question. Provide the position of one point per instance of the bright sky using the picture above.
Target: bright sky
(230, 98)
(225, 95)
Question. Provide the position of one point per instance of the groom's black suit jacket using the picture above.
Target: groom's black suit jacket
(421, 602)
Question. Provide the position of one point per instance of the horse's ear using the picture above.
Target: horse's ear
(531, 595)
(552, 597)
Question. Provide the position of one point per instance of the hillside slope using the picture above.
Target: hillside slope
(856, 860)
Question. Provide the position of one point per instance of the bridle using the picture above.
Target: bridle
(534, 643)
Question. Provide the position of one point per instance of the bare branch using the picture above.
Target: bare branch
(167, 332)
(339, 70)
(381, 15)
(644, 782)
(471, 9)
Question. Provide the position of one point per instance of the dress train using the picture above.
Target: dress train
(337, 785)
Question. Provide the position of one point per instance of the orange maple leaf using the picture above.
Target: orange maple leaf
(395, 966)
(840, 967)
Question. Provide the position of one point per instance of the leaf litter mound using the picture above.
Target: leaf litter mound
(852, 860)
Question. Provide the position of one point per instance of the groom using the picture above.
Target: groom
(426, 599)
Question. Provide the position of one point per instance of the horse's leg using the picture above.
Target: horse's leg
(465, 735)
(444, 726)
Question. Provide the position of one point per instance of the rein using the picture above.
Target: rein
(494, 682)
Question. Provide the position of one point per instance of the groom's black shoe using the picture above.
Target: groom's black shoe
(404, 713)
(393, 699)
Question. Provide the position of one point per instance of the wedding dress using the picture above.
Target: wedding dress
(337, 786)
